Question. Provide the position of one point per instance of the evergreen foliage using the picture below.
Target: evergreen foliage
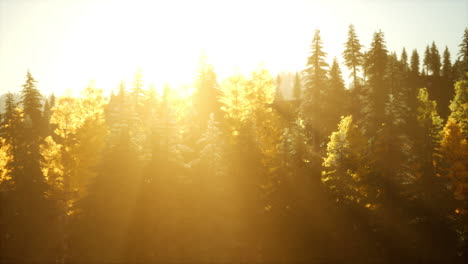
(239, 172)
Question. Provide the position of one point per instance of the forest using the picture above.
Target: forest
(237, 171)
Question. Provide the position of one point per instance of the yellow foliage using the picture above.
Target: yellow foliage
(5, 159)
(81, 129)
(454, 151)
(51, 165)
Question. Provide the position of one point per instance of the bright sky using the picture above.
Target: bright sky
(67, 43)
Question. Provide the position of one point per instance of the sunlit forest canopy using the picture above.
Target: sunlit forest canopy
(358, 154)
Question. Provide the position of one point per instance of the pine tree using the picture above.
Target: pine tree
(28, 195)
(459, 106)
(427, 62)
(345, 163)
(404, 60)
(352, 54)
(415, 63)
(454, 153)
(102, 216)
(376, 91)
(11, 120)
(430, 189)
(31, 101)
(234, 101)
(335, 100)
(315, 85)
(435, 64)
(430, 125)
(447, 65)
(463, 55)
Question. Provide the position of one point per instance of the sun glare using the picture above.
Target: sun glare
(166, 40)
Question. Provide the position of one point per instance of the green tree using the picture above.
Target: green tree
(345, 164)
(446, 64)
(31, 101)
(315, 85)
(404, 60)
(435, 64)
(459, 106)
(463, 55)
(352, 54)
(102, 217)
(415, 63)
(335, 100)
(427, 60)
(28, 194)
(376, 90)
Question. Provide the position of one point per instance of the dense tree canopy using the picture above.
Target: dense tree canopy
(241, 170)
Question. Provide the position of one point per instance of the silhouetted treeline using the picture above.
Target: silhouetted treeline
(238, 172)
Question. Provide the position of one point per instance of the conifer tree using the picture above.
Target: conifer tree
(315, 85)
(430, 125)
(352, 54)
(103, 215)
(454, 157)
(427, 62)
(404, 60)
(415, 63)
(345, 163)
(335, 100)
(435, 64)
(459, 106)
(430, 189)
(11, 120)
(447, 65)
(463, 55)
(28, 196)
(31, 101)
(376, 91)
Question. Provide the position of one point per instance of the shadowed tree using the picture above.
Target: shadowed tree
(315, 85)
(376, 89)
(463, 56)
(447, 65)
(352, 54)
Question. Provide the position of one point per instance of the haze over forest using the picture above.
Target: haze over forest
(358, 158)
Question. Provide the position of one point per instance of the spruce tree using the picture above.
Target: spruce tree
(335, 100)
(352, 54)
(404, 60)
(376, 90)
(103, 215)
(315, 86)
(28, 194)
(31, 101)
(415, 63)
(447, 65)
(434, 64)
(427, 60)
(463, 55)
(459, 106)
